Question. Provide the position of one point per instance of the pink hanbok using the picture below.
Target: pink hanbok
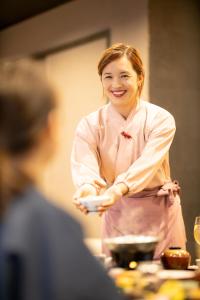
(109, 149)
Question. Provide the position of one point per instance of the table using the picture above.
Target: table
(149, 281)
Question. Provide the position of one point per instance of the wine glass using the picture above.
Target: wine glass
(197, 230)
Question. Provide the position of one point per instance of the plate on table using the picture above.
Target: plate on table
(176, 274)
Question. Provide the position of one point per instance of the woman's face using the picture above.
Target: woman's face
(120, 83)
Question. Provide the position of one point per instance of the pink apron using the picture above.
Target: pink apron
(154, 212)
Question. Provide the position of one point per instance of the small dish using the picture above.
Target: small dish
(176, 274)
(93, 202)
(175, 258)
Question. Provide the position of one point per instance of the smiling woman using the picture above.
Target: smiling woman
(122, 152)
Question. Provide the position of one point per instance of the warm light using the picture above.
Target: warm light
(132, 265)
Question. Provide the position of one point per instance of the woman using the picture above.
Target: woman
(42, 255)
(122, 151)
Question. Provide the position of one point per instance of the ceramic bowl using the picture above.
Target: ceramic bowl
(175, 258)
(93, 202)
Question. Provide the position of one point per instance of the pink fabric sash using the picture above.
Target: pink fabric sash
(169, 190)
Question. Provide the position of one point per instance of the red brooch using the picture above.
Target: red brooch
(126, 135)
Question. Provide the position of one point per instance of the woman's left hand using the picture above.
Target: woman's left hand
(115, 192)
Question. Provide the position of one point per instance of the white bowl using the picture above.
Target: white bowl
(93, 202)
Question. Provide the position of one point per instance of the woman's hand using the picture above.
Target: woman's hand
(84, 191)
(115, 192)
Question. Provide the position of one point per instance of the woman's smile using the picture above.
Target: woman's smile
(118, 93)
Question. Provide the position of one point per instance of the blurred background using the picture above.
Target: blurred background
(69, 36)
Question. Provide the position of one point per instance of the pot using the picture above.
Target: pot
(131, 248)
(175, 258)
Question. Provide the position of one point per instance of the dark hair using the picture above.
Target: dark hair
(26, 98)
(119, 50)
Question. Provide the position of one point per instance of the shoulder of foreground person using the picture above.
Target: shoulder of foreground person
(32, 213)
(87, 278)
(35, 225)
(34, 206)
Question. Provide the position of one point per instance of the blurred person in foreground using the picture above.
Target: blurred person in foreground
(122, 151)
(42, 254)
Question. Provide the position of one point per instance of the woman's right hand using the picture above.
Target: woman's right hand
(84, 191)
